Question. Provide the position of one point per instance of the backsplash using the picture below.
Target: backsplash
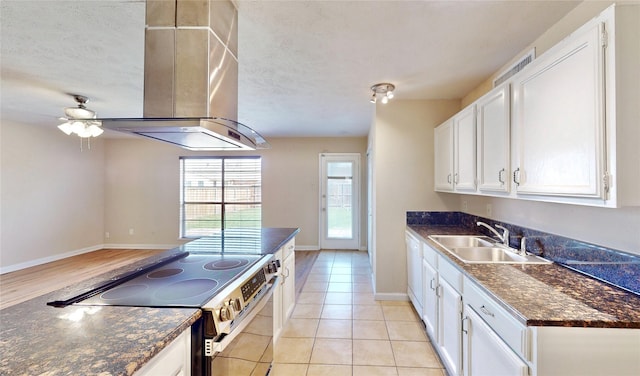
(618, 268)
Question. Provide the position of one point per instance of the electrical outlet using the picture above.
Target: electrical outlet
(131, 231)
(107, 235)
(489, 210)
(465, 206)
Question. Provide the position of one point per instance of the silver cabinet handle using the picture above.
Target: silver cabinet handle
(455, 178)
(431, 284)
(516, 173)
(449, 178)
(500, 178)
(465, 331)
(486, 311)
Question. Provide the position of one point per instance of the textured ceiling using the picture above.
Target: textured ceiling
(305, 66)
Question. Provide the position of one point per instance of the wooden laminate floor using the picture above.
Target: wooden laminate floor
(25, 284)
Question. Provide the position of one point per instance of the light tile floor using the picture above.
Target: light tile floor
(337, 327)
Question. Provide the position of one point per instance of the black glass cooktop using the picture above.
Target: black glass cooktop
(189, 281)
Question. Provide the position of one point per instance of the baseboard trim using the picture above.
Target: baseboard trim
(44, 260)
(391, 296)
(140, 246)
(307, 248)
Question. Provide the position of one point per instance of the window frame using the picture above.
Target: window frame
(223, 203)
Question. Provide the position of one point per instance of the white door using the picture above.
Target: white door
(340, 201)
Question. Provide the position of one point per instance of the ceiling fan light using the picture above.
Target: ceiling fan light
(385, 99)
(390, 94)
(66, 128)
(95, 130)
(373, 98)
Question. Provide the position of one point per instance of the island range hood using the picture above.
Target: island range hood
(191, 78)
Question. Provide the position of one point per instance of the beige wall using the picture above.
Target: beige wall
(51, 195)
(616, 228)
(142, 188)
(402, 143)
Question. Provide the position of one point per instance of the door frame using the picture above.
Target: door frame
(354, 242)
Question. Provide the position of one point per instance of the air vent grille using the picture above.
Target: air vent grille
(515, 68)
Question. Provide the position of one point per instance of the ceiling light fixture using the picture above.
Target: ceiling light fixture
(384, 90)
(81, 121)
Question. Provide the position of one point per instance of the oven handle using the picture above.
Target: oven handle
(220, 345)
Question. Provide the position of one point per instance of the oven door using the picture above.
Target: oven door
(248, 349)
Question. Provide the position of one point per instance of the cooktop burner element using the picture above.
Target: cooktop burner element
(229, 263)
(189, 281)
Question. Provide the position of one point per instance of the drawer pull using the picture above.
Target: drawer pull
(486, 311)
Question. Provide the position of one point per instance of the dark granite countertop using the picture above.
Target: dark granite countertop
(36, 339)
(545, 295)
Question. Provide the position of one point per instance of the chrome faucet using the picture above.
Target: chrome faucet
(504, 238)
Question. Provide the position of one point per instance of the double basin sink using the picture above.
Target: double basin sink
(472, 249)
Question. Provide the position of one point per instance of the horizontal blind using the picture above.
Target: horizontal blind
(219, 193)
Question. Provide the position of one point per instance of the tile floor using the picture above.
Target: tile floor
(337, 328)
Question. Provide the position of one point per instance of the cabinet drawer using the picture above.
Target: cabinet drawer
(288, 248)
(430, 255)
(450, 273)
(505, 325)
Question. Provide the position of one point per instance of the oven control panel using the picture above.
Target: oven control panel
(254, 284)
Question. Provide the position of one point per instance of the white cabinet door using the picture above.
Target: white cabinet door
(288, 287)
(278, 322)
(493, 122)
(443, 146)
(173, 360)
(558, 120)
(485, 354)
(430, 298)
(464, 156)
(414, 271)
(450, 321)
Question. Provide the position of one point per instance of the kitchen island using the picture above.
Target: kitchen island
(107, 340)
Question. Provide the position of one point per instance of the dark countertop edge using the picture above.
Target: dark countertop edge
(453, 230)
(294, 232)
(159, 346)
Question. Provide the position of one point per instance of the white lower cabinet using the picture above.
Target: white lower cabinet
(173, 360)
(430, 297)
(442, 307)
(414, 272)
(450, 326)
(484, 352)
(284, 295)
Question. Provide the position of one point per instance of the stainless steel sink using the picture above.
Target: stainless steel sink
(458, 241)
(481, 250)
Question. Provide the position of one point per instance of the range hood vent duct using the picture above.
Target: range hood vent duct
(191, 78)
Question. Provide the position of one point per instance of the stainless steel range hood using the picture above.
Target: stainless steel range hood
(199, 134)
(191, 78)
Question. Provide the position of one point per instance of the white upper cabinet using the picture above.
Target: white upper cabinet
(572, 135)
(493, 122)
(464, 156)
(558, 120)
(443, 146)
(455, 153)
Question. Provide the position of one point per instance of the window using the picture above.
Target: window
(219, 193)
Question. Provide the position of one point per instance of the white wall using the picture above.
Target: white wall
(616, 228)
(142, 188)
(402, 144)
(51, 195)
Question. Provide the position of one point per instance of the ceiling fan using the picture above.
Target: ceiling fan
(81, 120)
